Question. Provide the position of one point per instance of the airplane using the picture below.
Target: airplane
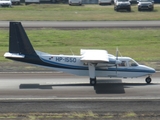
(91, 62)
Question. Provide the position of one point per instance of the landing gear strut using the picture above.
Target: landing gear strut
(148, 80)
(92, 74)
(93, 81)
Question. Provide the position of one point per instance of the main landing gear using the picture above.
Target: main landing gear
(148, 80)
(93, 81)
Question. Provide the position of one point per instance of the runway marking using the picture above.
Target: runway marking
(84, 98)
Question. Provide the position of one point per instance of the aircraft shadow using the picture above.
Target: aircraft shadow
(34, 86)
(38, 86)
(102, 87)
(110, 86)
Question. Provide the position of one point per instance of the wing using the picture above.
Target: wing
(94, 56)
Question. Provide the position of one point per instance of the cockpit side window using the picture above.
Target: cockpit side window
(132, 63)
(122, 64)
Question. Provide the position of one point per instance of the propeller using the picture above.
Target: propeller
(117, 61)
(117, 54)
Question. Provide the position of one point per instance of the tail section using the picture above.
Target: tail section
(18, 40)
(20, 48)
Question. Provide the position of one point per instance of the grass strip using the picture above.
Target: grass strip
(79, 115)
(140, 44)
(64, 12)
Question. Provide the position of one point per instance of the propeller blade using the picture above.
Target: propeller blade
(116, 68)
(116, 59)
(117, 54)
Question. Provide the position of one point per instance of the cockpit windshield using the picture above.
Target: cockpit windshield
(132, 63)
(128, 63)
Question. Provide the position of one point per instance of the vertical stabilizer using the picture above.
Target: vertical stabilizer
(18, 40)
(20, 48)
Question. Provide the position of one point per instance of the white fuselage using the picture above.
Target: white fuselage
(73, 64)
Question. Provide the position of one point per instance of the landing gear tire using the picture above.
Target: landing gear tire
(93, 81)
(148, 80)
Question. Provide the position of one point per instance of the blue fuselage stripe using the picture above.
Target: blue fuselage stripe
(65, 66)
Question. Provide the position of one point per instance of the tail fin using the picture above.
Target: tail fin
(20, 48)
(18, 40)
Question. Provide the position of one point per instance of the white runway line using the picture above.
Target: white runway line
(84, 98)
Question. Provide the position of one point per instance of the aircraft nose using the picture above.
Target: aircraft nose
(149, 69)
(152, 70)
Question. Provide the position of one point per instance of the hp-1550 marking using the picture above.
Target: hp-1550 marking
(66, 59)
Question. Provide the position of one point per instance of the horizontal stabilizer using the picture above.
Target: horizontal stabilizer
(13, 55)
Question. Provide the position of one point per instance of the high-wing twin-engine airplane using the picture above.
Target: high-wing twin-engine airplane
(93, 63)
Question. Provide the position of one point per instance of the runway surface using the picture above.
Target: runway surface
(56, 92)
(85, 24)
(65, 86)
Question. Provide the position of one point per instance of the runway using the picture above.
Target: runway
(56, 92)
(60, 86)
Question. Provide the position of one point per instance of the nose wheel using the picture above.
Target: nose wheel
(93, 81)
(148, 80)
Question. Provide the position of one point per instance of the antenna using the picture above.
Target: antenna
(71, 51)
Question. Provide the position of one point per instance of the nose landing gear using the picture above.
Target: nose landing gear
(148, 80)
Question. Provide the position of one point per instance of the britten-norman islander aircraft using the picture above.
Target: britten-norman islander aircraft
(93, 63)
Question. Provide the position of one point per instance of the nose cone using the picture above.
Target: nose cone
(152, 70)
(149, 69)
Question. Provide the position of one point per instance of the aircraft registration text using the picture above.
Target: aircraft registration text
(66, 59)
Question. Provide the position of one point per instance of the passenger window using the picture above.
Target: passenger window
(123, 64)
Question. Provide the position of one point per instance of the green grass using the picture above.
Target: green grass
(79, 116)
(64, 12)
(129, 115)
(140, 44)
